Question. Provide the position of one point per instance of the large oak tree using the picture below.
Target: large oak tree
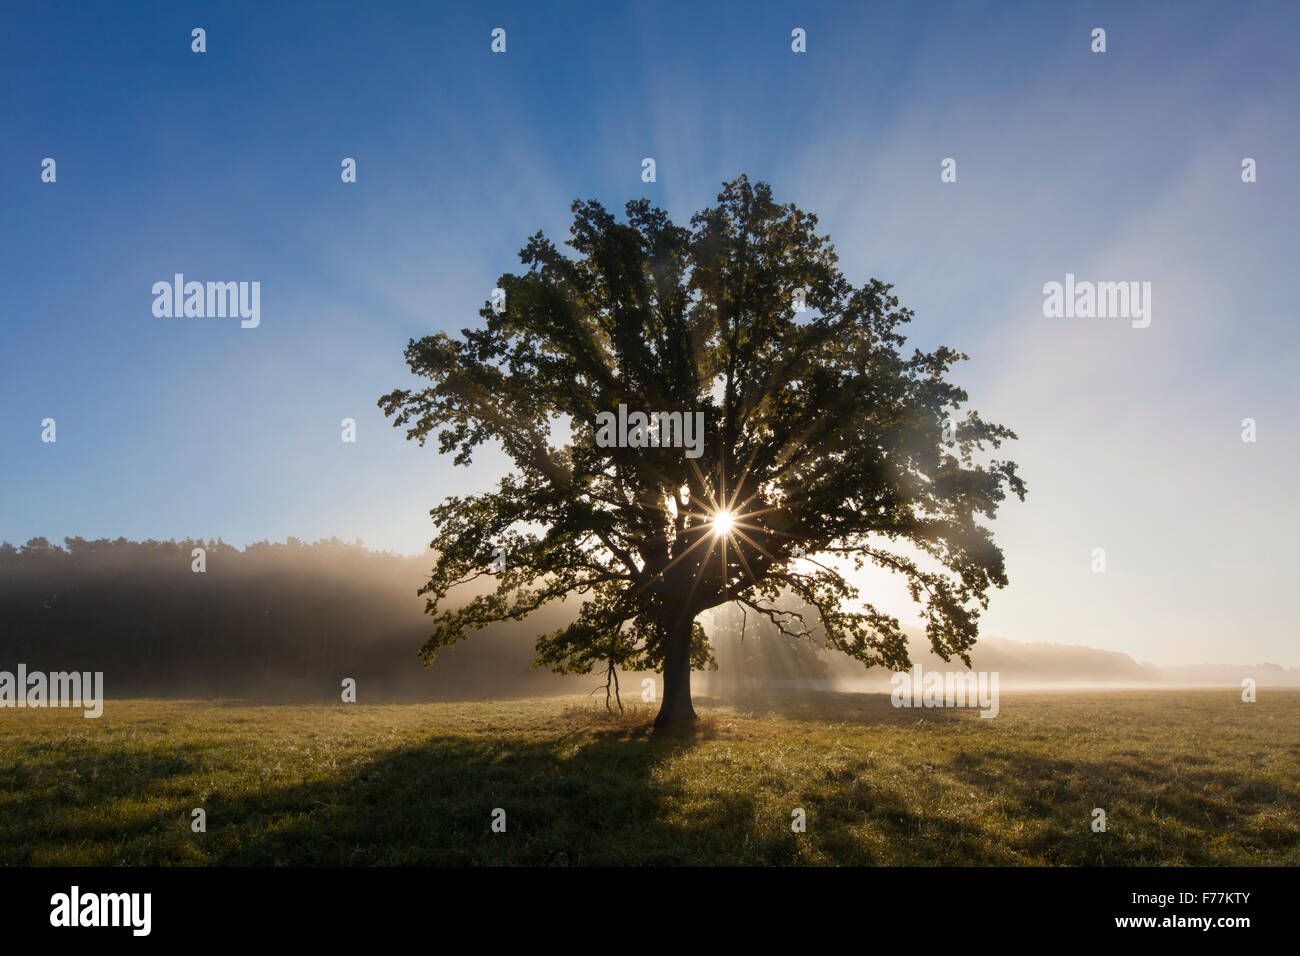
(825, 447)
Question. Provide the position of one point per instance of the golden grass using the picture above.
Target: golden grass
(1184, 777)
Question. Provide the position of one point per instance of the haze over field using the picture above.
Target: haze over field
(290, 620)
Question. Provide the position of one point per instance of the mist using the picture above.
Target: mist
(280, 621)
(290, 621)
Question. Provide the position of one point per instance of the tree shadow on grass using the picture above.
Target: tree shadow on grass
(591, 801)
(61, 800)
(1157, 811)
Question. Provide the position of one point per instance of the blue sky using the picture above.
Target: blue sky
(225, 166)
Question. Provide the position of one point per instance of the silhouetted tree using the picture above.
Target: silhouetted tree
(820, 435)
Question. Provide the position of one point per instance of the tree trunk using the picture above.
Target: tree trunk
(675, 710)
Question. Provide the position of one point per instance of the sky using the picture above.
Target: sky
(225, 166)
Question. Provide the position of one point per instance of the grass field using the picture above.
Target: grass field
(1185, 777)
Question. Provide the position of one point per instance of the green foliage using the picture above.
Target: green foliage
(820, 435)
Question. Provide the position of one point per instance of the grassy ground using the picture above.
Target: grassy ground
(1184, 777)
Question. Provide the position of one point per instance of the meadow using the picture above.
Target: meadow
(1184, 777)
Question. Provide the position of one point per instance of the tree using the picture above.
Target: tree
(825, 449)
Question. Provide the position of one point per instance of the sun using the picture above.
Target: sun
(722, 522)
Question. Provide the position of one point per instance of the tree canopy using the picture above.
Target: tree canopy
(825, 447)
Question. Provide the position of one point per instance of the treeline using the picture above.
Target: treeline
(289, 621)
(284, 620)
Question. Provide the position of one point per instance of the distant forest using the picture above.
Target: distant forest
(288, 621)
(273, 620)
